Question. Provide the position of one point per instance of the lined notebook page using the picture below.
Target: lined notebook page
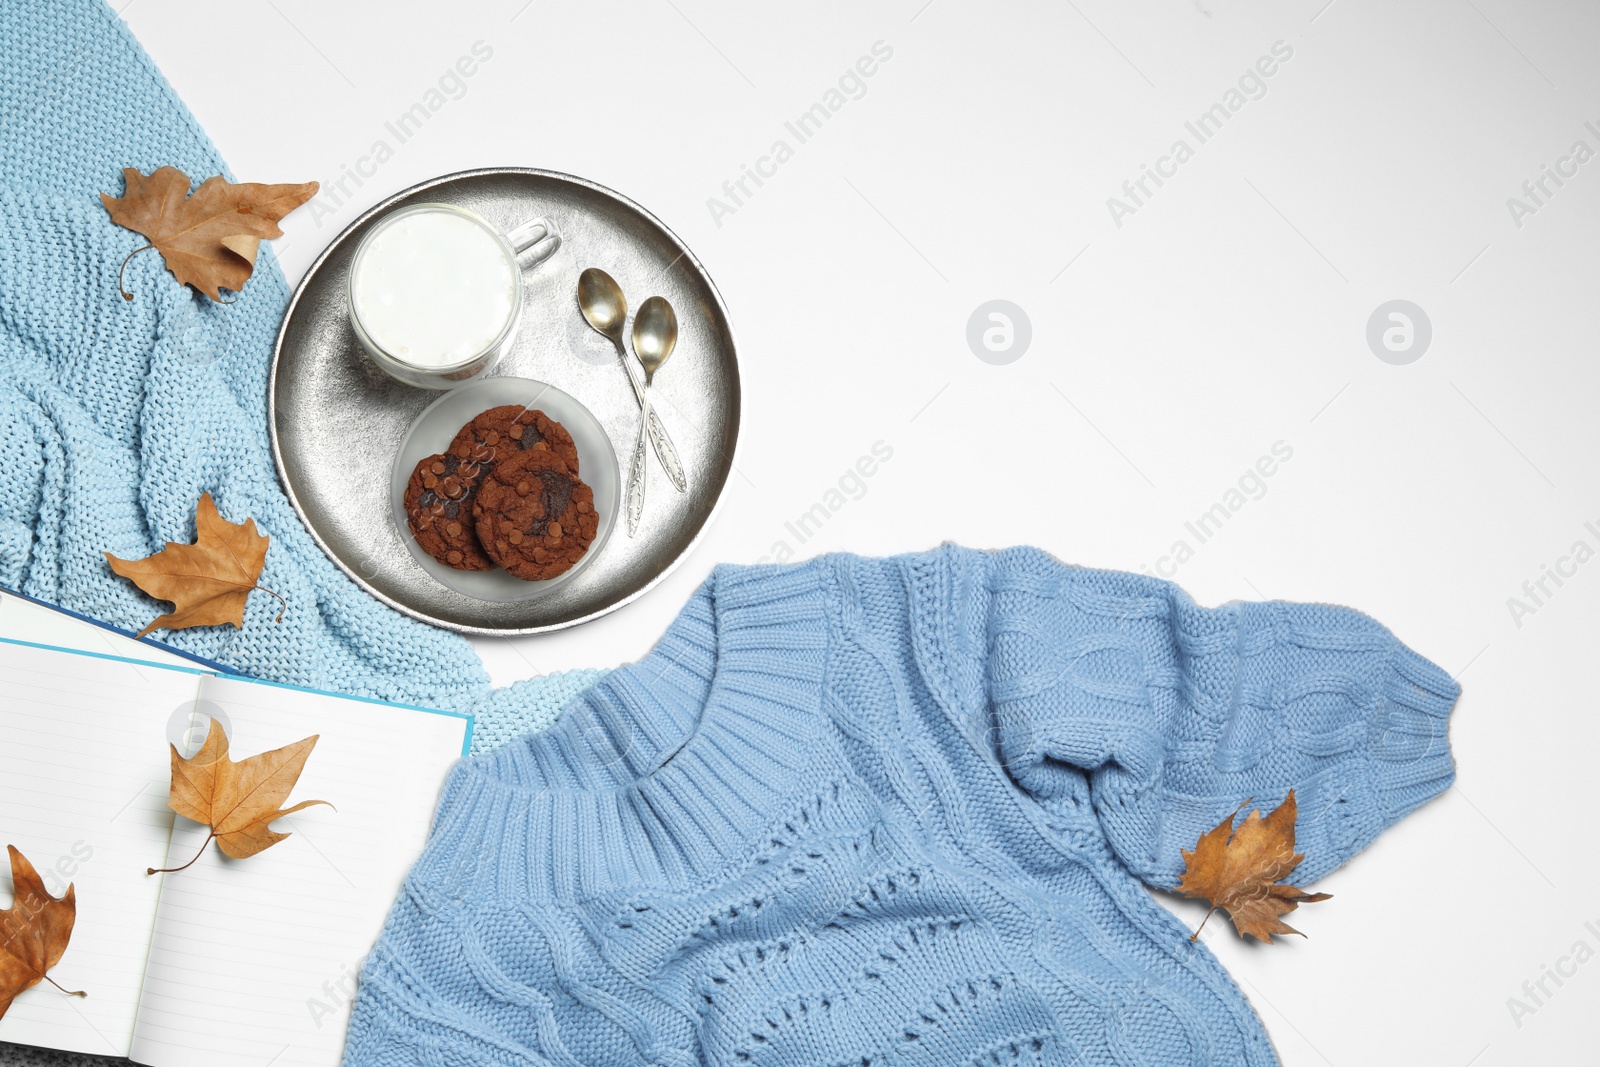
(26, 621)
(83, 776)
(253, 961)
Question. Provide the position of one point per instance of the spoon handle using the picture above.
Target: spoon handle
(635, 492)
(659, 440)
(664, 451)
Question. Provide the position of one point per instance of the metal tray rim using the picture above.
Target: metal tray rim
(272, 400)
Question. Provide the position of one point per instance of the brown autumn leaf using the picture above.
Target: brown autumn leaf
(208, 240)
(209, 581)
(1239, 870)
(34, 932)
(237, 800)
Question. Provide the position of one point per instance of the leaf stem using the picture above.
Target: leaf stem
(1196, 935)
(125, 294)
(282, 601)
(68, 992)
(197, 855)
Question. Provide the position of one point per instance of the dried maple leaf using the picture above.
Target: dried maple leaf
(236, 800)
(208, 240)
(209, 581)
(1238, 871)
(34, 932)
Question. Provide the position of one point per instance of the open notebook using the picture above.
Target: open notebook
(248, 962)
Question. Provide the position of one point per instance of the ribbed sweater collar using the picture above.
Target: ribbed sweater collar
(663, 770)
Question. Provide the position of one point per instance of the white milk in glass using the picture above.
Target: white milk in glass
(434, 288)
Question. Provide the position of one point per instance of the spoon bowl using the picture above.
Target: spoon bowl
(655, 335)
(602, 303)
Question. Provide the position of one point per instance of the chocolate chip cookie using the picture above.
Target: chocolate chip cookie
(535, 516)
(438, 505)
(511, 429)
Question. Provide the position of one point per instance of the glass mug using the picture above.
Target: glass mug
(435, 291)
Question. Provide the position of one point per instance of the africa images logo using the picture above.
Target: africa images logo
(1399, 332)
(1252, 85)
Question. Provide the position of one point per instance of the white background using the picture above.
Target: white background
(1168, 353)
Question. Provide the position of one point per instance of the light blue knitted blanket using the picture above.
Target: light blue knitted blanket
(115, 416)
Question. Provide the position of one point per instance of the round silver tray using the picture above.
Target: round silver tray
(337, 421)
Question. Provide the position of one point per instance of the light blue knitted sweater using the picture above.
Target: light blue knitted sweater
(115, 416)
(894, 812)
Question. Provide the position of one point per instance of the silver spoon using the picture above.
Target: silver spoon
(655, 334)
(606, 310)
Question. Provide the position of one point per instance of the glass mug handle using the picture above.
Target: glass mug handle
(537, 238)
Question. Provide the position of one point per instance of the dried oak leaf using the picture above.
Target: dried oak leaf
(34, 932)
(209, 581)
(208, 240)
(237, 800)
(1238, 871)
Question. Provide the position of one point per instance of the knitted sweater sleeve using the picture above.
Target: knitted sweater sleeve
(1115, 696)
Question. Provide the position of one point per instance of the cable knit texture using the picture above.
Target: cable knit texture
(864, 812)
(115, 416)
